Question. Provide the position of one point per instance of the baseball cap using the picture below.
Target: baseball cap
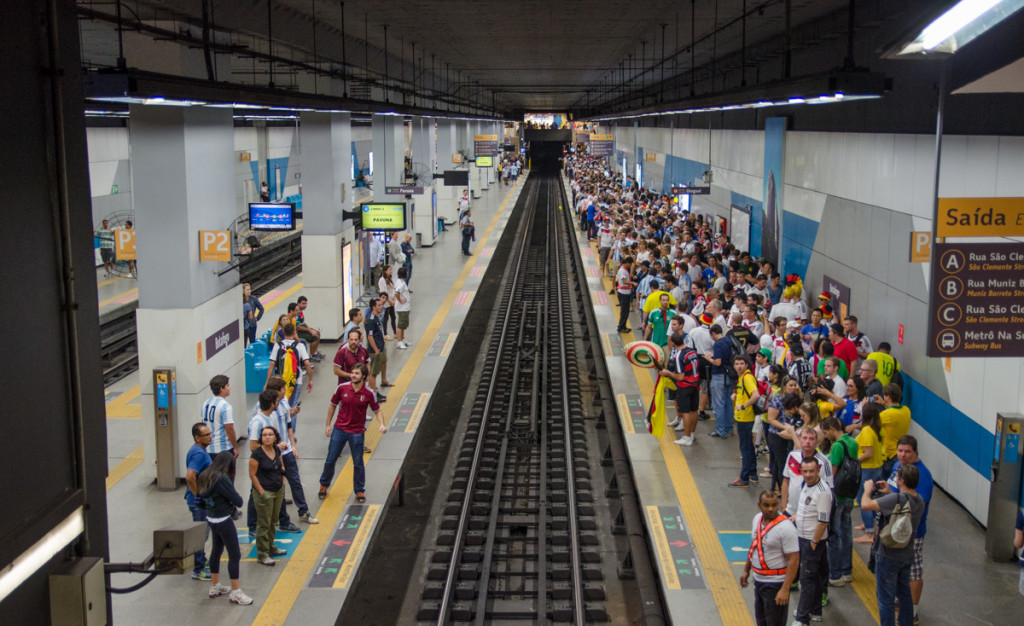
(765, 352)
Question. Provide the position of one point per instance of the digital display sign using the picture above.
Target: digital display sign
(383, 216)
(271, 216)
(346, 279)
(484, 161)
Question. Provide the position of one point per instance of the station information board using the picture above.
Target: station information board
(602, 145)
(383, 216)
(485, 145)
(977, 302)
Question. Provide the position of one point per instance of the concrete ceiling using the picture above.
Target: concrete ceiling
(532, 55)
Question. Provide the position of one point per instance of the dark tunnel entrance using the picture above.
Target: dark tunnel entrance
(545, 156)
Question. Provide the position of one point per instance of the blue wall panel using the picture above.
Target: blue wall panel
(798, 235)
(952, 428)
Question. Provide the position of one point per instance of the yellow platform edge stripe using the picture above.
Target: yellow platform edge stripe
(725, 590)
(289, 584)
(124, 468)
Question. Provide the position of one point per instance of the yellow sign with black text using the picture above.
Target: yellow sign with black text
(595, 137)
(980, 217)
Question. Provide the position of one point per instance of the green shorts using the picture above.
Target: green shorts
(306, 336)
(403, 319)
(377, 362)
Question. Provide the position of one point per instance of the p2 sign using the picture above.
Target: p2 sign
(214, 245)
(124, 244)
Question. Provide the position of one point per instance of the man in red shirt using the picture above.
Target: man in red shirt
(351, 400)
(842, 347)
(349, 355)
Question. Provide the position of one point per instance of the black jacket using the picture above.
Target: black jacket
(221, 499)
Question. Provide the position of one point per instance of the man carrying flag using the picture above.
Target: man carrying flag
(683, 369)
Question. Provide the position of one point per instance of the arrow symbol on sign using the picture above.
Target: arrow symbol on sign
(341, 542)
(679, 544)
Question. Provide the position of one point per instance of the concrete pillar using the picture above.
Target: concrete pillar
(326, 140)
(388, 152)
(189, 317)
(447, 197)
(424, 155)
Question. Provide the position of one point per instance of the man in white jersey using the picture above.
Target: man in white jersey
(217, 414)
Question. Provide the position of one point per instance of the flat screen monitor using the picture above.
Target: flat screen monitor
(456, 178)
(484, 161)
(272, 216)
(388, 216)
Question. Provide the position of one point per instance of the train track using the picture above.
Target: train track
(518, 538)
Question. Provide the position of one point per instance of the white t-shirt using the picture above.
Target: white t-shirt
(814, 506)
(796, 479)
(402, 289)
(217, 413)
(300, 349)
(781, 540)
(784, 309)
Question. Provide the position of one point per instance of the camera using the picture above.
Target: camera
(880, 485)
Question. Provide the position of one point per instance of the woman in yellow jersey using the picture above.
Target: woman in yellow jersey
(871, 448)
(743, 400)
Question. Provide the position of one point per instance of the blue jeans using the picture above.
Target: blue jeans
(892, 582)
(355, 442)
(748, 469)
(868, 517)
(840, 541)
(199, 515)
(291, 474)
(721, 403)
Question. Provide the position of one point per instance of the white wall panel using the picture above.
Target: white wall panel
(954, 181)
(882, 157)
(902, 172)
(981, 166)
(1010, 167)
(924, 176)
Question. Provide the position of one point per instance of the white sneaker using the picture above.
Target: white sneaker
(401, 345)
(309, 519)
(848, 578)
(685, 441)
(218, 590)
(680, 426)
(238, 597)
(675, 422)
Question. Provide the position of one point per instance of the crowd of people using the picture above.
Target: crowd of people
(806, 394)
(273, 456)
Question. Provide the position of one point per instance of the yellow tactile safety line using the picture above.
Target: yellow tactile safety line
(124, 468)
(118, 408)
(134, 291)
(732, 608)
(289, 584)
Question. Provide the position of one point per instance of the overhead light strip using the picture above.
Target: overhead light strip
(31, 560)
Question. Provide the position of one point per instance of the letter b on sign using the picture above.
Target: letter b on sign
(214, 245)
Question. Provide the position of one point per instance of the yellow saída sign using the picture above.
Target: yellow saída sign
(980, 217)
(383, 216)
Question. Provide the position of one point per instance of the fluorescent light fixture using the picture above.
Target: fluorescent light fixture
(961, 24)
(961, 15)
(797, 100)
(28, 562)
(760, 104)
(160, 100)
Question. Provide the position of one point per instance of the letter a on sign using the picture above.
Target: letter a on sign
(952, 263)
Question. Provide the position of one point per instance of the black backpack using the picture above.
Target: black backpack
(897, 375)
(735, 350)
(847, 478)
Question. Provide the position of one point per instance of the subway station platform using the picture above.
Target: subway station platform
(310, 583)
(698, 528)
